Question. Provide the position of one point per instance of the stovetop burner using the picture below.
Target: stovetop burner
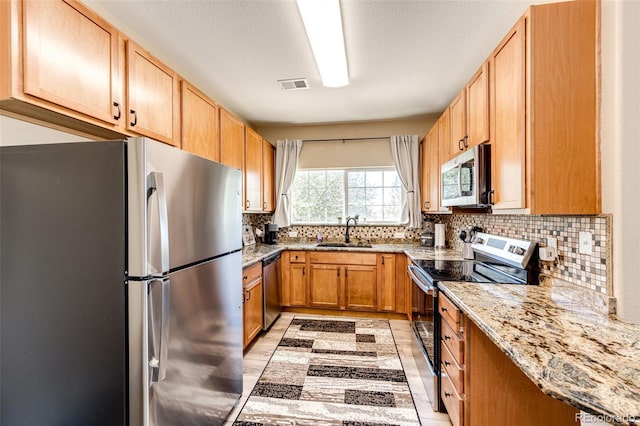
(499, 260)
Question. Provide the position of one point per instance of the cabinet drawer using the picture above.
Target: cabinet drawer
(452, 341)
(449, 311)
(297, 257)
(453, 401)
(251, 273)
(343, 258)
(452, 368)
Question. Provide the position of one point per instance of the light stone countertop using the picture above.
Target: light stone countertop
(573, 353)
(256, 253)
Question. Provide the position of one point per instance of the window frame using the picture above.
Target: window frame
(345, 183)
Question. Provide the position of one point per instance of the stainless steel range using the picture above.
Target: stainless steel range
(497, 260)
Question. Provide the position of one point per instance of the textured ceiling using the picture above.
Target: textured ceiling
(406, 57)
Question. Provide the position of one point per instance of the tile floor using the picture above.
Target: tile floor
(259, 354)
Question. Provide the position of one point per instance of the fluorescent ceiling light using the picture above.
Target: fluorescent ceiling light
(323, 23)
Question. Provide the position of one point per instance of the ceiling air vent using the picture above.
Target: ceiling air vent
(294, 84)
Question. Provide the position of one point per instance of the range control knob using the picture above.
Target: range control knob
(519, 251)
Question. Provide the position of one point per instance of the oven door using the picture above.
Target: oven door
(425, 324)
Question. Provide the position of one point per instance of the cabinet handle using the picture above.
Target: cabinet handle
(338, 271)
(304, 269)
(117, 117)
(264, 205)
(245, 278)
(383, 260)
(248, 203)
(492, 197)
(461, 144)
(443, 309)
(248, 295)
(346, 272)
(135, 118)
(447, 395)
(447, 337)
(447, 363)
(466, 141)
(243, 297)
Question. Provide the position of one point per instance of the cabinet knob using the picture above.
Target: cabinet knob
(264, 205)
(135, 118)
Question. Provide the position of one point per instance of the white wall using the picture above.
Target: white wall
(620, 135)
(18, 132)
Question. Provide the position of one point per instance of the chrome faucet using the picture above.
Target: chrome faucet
(346, 232)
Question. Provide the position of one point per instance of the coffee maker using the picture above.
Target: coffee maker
(270, 233)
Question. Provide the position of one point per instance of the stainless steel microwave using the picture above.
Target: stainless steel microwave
(466, 179)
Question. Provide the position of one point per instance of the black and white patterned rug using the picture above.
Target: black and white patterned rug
(343, 372)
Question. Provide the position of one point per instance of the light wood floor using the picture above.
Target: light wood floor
(258, 355)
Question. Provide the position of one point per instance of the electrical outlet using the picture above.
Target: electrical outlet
(398, 235)
(552, 242)
(293, 234)
(586, 243)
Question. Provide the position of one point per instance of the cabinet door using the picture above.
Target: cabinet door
(268, 176)
(458, 117)
(252, 171)
(431, 171)
(478, 107)
(298, 284)
(153, 99)
(508, 112)
(387, 283)
(231, 140)
(444, 137)
(71, 59)
(199, 123)
(252, 310)
(360, 287)
(325, 285)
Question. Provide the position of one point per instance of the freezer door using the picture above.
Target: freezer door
(189, 341)
(183, 209)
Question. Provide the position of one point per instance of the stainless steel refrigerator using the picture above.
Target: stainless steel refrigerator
(120, 285)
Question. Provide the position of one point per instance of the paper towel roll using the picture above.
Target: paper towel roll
(439, 237)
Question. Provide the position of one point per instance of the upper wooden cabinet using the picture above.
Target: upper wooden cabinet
(252, 171)
(444, 137)
(268, 176)
(231, 140)
(431, 171)
(61, 63)
(458, 123)
(71, 59)
(153, 96)
(470, 113)
(477, 114)
(200, 123)
(543, 112)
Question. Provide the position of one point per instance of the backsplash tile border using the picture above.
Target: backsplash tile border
(592, 272)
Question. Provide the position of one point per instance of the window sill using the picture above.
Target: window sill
(351, 224)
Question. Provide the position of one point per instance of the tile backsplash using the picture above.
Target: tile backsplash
(590, 271)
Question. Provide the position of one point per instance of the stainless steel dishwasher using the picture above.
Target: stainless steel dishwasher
(271, 283)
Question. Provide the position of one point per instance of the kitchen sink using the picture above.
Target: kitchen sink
(338, 244)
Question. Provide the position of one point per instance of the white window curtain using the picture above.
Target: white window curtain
(405, 150)
(287, 154)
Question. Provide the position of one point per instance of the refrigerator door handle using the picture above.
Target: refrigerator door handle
(159, 348)
(155, 181)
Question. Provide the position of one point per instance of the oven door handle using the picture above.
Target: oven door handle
(424, 286)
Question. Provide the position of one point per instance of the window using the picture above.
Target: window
(330, 195)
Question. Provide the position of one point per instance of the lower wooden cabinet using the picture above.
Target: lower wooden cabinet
(482, 386)
(375, 282)
(293, 279)
(252, 306)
